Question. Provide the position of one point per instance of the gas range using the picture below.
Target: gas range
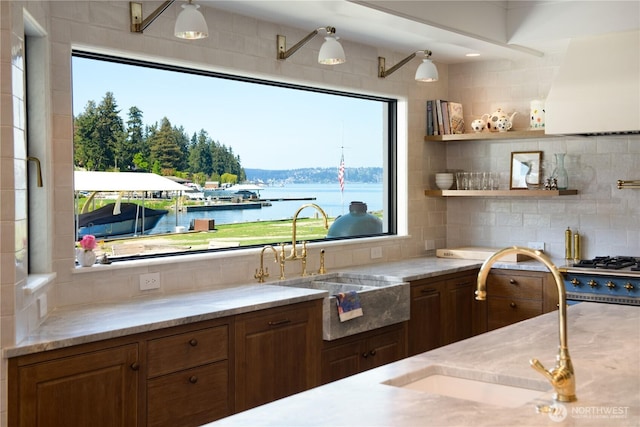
(614, 280)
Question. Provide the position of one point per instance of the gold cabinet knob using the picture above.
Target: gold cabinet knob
(629, 287)
(193, 342)
(610, 285)
(135, 366)
(193, 379)
(575, 282)
(513, 305)
(513, 281)
(593, 283)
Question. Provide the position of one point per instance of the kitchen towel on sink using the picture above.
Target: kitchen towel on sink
(348, 305)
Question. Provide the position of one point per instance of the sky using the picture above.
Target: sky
(268, 127)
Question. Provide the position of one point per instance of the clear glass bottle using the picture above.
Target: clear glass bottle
(560, 173)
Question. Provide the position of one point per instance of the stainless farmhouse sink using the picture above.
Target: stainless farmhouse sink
(476, 386)
(384, 302)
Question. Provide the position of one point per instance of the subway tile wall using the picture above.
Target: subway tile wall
(607, 218)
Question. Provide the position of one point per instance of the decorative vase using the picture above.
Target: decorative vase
(560, 173)
(85, 258)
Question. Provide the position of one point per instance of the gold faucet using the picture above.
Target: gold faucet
(294, 252)
(263, 272)
(562, 377)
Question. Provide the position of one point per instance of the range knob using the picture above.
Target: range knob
(629, 287)
(610, 285)
(575, 282)
(593, 283)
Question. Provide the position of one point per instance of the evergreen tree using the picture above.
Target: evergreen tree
(134, 142)
(200, 154)
(110, 133)
(165, 147)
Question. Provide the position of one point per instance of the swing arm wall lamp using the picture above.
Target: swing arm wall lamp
(426, 72)
(331, 52)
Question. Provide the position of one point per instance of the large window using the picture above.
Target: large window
(246, 155)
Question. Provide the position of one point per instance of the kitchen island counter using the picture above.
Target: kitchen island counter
(603, 343)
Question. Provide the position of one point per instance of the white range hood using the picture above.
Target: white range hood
(597, 89)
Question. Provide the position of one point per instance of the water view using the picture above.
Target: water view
(328, 197)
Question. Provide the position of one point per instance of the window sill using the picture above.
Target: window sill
(149, 262)
(38, 281)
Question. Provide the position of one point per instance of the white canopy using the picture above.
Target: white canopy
(124, 181)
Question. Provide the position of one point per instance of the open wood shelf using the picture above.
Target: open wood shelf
(500, 193)
(514, 134)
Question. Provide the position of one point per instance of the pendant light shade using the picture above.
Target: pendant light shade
(331, 52)
(427, 71)
(190, 24)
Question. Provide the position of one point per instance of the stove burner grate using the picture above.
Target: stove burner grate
(610, 263)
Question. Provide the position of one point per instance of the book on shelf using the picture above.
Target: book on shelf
(445, 118)
(456, 118)
(438, 103)
(429, 117)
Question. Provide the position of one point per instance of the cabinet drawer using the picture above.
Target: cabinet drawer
(515, 286)
(505, 311)
(189, 398)
(187, 350)
(275, 318)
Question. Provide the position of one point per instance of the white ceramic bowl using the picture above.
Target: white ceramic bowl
(444, 185)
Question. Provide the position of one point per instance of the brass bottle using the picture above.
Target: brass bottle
(568, 254)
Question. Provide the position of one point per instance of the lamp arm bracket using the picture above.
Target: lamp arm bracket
(138, 25)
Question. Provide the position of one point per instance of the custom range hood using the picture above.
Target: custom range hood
(597, 89)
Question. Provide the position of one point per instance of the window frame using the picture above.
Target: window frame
(390, 155)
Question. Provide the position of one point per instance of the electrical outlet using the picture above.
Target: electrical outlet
(42, 305)
(536, 245)
(429, 245)
(149, 281)
(376, 252)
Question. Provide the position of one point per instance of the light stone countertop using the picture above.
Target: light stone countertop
(78, 325)
(603, 342)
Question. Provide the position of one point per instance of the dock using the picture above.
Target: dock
(223, 206)
(287, 199)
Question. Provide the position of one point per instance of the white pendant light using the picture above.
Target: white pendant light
(427, 71)
(190, 24)
(331, 52)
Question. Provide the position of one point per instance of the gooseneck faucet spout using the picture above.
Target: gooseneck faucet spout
(562, 377)
(294, 252)
(263, 272)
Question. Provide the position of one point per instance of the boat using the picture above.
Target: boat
(102, 222)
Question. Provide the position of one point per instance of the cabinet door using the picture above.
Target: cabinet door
(341, 361)
(384, 348)
(425, 324)
(98, 388)
(466, 316)
(277, 353)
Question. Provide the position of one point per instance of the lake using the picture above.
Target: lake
(328, 197)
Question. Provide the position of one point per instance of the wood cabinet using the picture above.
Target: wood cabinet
(188, 375)
(277, 353)
(516, 295)
(367, 350)
(444, 310)
(87, 385)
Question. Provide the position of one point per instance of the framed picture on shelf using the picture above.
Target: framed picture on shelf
(525, 170)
